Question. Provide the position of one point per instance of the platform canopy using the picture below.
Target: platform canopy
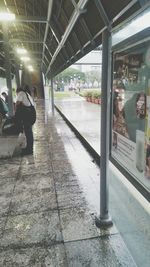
(57, 33)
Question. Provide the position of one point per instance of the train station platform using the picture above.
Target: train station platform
(49, 202)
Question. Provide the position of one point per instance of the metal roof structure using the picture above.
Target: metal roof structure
(57, 33)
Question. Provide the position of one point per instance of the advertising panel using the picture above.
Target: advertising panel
(131, 111)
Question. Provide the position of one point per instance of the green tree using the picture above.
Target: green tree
(68, 74)
(92, 76)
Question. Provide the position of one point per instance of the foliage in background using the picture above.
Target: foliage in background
(68, 74)
(93, 75)
(96, 94)
(92, 93)
(61, 95)
(88, 93)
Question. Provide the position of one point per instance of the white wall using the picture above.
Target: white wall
(94, 56)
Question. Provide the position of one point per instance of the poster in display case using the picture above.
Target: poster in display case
(131, 111)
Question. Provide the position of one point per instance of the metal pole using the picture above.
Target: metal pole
(8, 68)
(17, 76)
(22, 77)
(41, 84)
(105, 220)
(52, 96)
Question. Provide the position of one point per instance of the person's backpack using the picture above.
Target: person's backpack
(26, 114)
(31, 112)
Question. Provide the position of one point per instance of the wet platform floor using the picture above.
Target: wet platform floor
(47, 213)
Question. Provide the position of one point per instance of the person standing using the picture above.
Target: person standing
(24, 99)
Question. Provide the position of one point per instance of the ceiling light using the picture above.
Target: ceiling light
(25, 59)
(5, 16)
(21, 51)
(30, 68)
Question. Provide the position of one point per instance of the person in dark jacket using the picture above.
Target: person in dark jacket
(25, 99)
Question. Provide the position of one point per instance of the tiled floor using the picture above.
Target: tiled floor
(47, 214)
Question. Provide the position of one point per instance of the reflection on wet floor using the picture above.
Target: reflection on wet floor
(48, 202)
(126, 210)
(85, 117)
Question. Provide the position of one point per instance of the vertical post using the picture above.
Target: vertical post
(104, 220)
(52, 96)
(41, 84)
(22, 77)
(17, 76)
(26, 78)
(7, 67)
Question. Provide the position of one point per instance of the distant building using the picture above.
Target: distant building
(92, 61)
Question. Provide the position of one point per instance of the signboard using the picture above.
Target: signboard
(131, 111)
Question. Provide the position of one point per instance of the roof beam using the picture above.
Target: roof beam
(54, 34)
(24, 41)
(30, 19)
(102, 13)
(70, 47)
(36, 41)
(125, 9)
(97, 35)
(77, 40)
(86, 29)
(49, 12)
(29, 52)
(74, 3)
(80, 6)
(46, 59)
(59, 26)
(48, 50)
(91, 63)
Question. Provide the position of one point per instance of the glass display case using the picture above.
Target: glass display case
(131, 106)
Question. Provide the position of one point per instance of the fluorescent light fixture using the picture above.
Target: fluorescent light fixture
(21, 51)
(5, 16)
(30, 68)
(25, 59)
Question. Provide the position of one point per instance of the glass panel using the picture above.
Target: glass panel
(131, 111)
(136, 25)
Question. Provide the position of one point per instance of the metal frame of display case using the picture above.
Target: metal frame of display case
(130, 42)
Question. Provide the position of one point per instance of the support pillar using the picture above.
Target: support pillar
(26, 78)
(52, 96)
(45, 80)
(17, 76)
(41, 84)
(104, 219)
(8, 67)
